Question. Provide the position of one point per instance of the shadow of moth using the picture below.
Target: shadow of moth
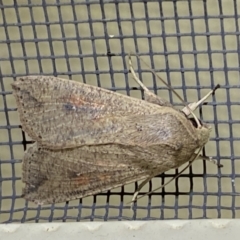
(90, 140)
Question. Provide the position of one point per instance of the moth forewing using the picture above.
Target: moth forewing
(53, 176)
(60, 113)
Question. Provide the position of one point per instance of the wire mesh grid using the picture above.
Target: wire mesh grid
(193, 45)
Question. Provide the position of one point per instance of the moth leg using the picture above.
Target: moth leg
(134, 198)
(209, 159)
(194, 157)
(193, 106)
(149, 96)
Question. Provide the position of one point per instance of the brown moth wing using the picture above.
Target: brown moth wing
(52, 109)
(62, 175)
(59, 113)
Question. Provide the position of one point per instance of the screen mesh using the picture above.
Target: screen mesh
(193, 45)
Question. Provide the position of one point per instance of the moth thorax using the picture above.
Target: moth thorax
(203, 133)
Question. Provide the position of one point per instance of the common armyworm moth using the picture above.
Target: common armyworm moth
(89, 139)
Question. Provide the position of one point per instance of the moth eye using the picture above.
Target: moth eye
(194, 122)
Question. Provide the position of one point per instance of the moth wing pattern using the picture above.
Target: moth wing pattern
(60, 113)
(53, 176)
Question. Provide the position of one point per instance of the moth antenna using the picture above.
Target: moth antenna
(194, 105)
(134, 74)
(170, 88)
(162, 186)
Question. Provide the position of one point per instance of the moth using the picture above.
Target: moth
(89, 139)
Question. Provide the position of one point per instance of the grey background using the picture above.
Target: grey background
(194, 45)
